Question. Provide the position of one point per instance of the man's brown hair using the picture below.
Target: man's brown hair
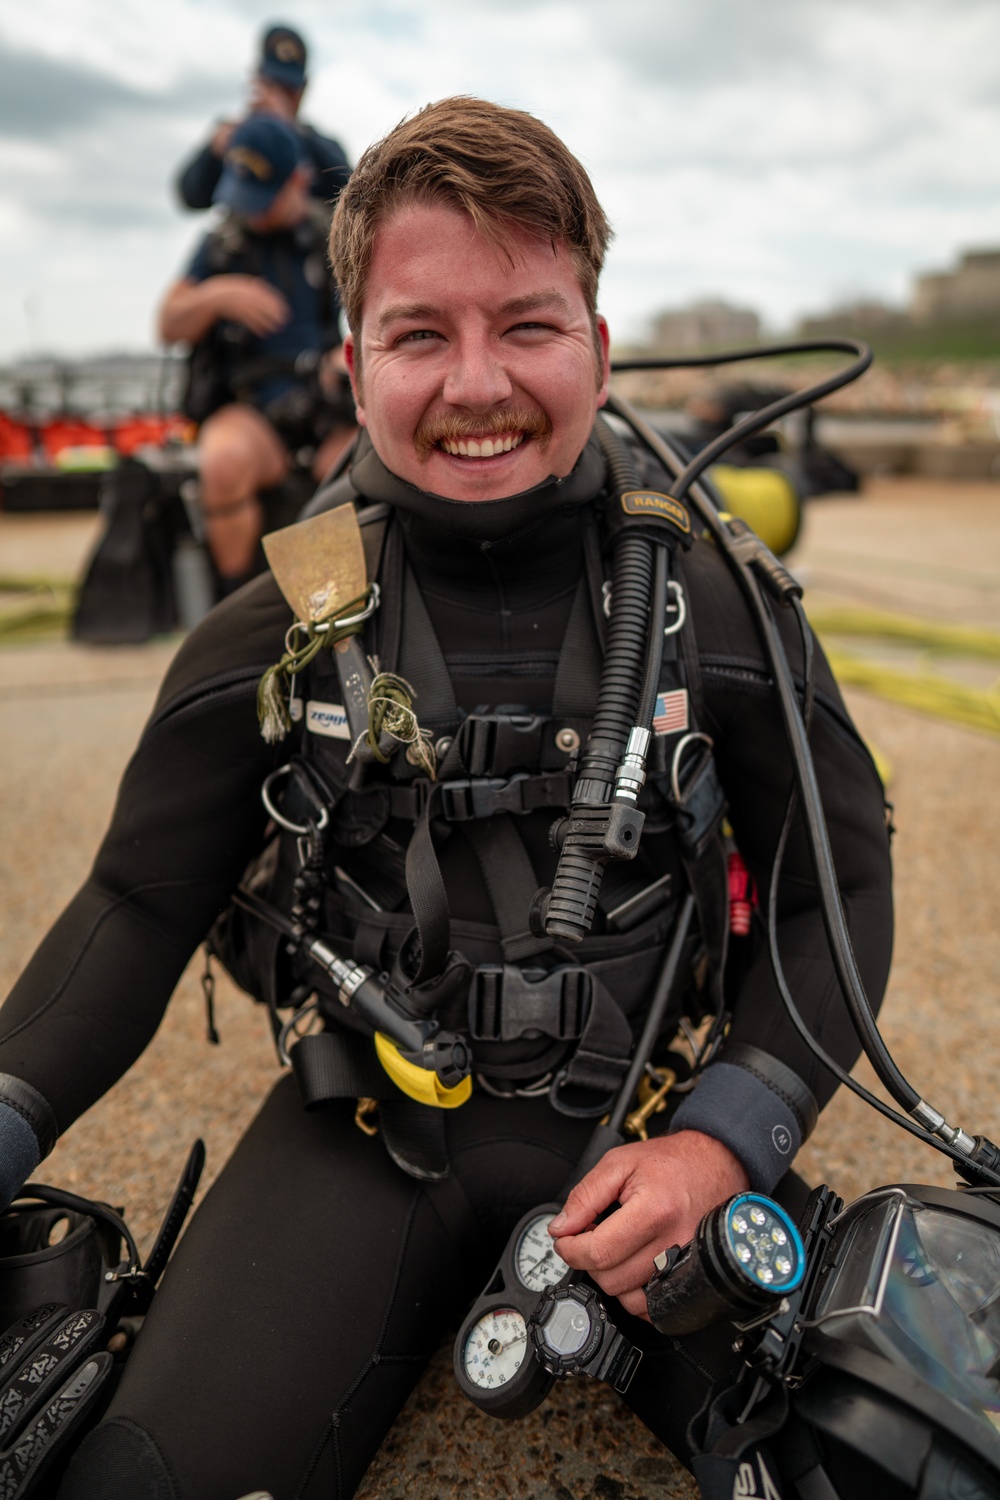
(501, 166)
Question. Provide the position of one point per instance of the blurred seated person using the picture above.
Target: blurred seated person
(276, 88)
(259, 307)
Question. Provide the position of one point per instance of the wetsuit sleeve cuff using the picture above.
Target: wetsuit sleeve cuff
(757, 1107)
(28, 1131)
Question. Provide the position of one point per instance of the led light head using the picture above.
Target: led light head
(765, 1246)
(745, 1254)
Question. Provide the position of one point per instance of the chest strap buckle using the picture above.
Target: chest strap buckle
(507, 1002)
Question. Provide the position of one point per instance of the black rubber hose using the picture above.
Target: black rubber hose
(757, 420)
(570, 906)
(831, 907)
(628, 633)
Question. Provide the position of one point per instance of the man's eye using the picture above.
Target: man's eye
(418, 336)
(531, 328)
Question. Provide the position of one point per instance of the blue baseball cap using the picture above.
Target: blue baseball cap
(283, 57)
(260, 158)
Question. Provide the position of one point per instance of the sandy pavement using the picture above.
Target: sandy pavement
(69, 716)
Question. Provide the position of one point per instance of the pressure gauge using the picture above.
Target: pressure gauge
(535, 1260)
(495, 1347)
(495, 1364)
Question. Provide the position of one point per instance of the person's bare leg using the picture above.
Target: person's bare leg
(239, 454)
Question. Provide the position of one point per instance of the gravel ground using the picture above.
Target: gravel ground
(70, 717)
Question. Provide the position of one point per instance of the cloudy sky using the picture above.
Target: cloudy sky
(784, 154)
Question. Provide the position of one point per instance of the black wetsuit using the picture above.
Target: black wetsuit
(316, 1279)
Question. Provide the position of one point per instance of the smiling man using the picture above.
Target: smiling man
(327, 1262)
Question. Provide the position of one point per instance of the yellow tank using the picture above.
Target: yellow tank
(765, 498)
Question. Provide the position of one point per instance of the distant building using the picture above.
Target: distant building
(853, 318)
(704, 325)
(92, 386)
(970, 292)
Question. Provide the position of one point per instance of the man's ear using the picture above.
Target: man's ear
(604, 368)
(352, 360)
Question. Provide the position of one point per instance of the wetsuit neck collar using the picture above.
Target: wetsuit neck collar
(481, 522)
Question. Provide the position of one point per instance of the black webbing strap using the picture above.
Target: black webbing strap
(338, 1065)
(341, 1065)
(593, 563)
(428, 897)
(389, 615)
(414, 1137)
(374, 523)
(421, 659)
(602, 1054)
(510, 883)
(578, 675)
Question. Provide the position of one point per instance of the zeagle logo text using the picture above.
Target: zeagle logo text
(327, 718)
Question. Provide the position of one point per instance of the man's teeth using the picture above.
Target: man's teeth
(482, 447)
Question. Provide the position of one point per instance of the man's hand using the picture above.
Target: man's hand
(191, 307)
(665, 1188)
(249, 300)
(221, 136)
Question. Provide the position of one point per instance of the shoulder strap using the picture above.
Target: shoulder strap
(578, 675)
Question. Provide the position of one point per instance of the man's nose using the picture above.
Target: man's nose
(476, 376)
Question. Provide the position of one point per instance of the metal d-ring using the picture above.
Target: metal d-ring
(279, 817)
(677, 589)
(371, 605)
(675, 768)
(290, 1028)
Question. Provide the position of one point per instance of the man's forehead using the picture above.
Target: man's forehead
(416, 250)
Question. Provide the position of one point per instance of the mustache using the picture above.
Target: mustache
(435, 430)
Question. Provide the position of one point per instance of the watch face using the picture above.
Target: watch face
(567, 1327)
(495, 1348)
(535, 1259)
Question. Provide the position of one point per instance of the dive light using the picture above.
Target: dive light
(747, 1255)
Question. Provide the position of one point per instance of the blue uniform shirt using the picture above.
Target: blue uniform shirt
(294, 262)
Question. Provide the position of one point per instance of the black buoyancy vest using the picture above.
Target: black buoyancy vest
(504, 775)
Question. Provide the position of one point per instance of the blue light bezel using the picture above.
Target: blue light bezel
(787, 1224)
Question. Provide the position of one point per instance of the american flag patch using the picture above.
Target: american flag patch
(671, 713)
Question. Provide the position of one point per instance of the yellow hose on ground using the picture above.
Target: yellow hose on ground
(42, 609)
(927, 692)
(932, 635)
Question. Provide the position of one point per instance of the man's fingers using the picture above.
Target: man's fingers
(594, 1194)
(611, 1243)
(635, 1303)
(262, 309)
(634, 1270)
